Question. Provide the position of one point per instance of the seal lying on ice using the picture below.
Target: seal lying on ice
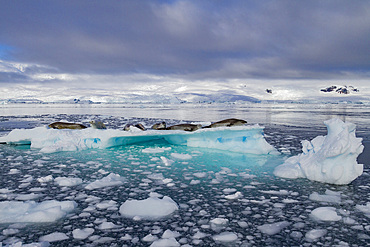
(159, 126)
(97, 124)
(227, 123)
(185, 127)
(63, 125)
(139, 126)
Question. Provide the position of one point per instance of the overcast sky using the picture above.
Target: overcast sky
(193, 41)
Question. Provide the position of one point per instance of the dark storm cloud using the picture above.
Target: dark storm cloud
(219, 39)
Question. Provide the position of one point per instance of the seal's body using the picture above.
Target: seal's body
(227, 123)
(185, 127)
(139, 126)
(63, 125)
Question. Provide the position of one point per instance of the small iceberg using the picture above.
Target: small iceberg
(328, 159)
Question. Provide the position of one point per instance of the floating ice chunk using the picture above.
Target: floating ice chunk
(10, 231)
(27, 197)
(47, 211)
(149, 238)
(364, 208)
(218, 223)
(199, 235)
(289, 201)
(165, 242)
(229, 190)
(181, 156)
(274, 228)
(234, 196)
(330, 159)
(107, 226)
(155, 150)
(106, 204)
(108, 181)
(333, 198)
(67, 182)
(166, 162)
(315, 234)
(156, 176)
(54, 237)
(5, 191)
(82, 233)
(273, 192)
(45, 179)
(171, 234)
(151, 208)
(225, 237)
(325, 214)
(200, 174)
(14, 171)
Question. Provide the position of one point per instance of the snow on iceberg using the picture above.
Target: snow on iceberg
(31, 211)
(328, 159)
(242, 139)
(151, 208)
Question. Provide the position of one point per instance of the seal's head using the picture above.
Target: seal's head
(97, 124)
(159, 126)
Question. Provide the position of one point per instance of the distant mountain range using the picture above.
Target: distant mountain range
(340, 89)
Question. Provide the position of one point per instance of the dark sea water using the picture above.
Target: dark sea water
(199, 185)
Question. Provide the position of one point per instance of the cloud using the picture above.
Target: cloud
(193, 40)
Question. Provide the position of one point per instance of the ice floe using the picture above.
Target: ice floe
(108, 181)
(54, 237)
(328, 159)
(325, 214)
(82, 233)
(67, 182)
(31, 211)
(273, 228)
(151, 208)
(243, 139)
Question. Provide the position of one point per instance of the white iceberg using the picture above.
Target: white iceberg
(328, 159)
(31, 211)
(242, 139)
(151, 208)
